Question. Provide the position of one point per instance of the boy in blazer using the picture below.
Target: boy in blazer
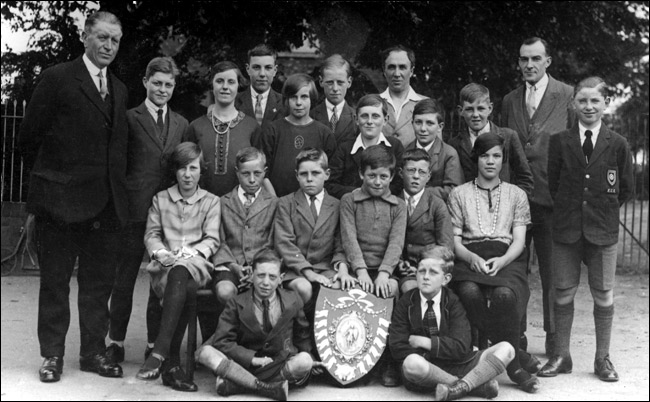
(590, 174)
(263, 339)
(428, 220)
(247, 215)
(307, 234)
(334, 111)
(154, 131)
(445, 172)
(430, 337)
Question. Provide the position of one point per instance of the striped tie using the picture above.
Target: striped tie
(334, 119)
(259, 115)
(430, 322)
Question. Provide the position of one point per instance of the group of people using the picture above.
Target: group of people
(272, 196)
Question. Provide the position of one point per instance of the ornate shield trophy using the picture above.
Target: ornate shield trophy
(351, 330)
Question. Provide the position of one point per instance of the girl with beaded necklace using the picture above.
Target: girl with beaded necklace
(489, 219)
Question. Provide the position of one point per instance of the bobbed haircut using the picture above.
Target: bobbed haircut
(441, 253)
(183, 154)
(373, 100)
(222, 66)
(377, 156)
(426, 106)
(312, 155)
(294, 83)
(262, 50)
(164, 65)
(473, 92)
(593, 82)
(485, 142)
(248, 154)
(267, 255)
(97, 16)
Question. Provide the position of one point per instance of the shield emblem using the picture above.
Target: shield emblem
(298, 142)
(351, 330)
(611, 177)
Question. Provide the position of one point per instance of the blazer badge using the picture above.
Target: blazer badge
(611, 177)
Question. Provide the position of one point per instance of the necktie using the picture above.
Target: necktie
(411, 205)
(312, 206)
(265, 316)
(259, 115)
(249, 201)
(103, 90)
(587, 146)
(334, 119)
(160, 122)
(430, 322)
(530, 101)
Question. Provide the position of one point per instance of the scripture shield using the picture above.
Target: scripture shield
(351, 330)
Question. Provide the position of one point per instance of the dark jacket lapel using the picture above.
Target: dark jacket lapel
(303, 208)
(88, 86)
(602, 142)
(146, 122)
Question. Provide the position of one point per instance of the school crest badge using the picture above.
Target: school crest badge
(299, 142)
(611, 177)
(351, 330)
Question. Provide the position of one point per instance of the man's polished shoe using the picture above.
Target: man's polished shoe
(51, 369)
(604, 369)
(390, 377)
(176, 378)
(115, 353)
(100, 364)
(556, 365)
(529, 362)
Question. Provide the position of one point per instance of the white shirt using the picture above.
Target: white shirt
(436, 306)
(153, 109)
(594, 133)
(473, 137)
(540, 88)
(411, 96)
(339, 109)
(94, 70)
(428, 147)
(242, 197)
(358, 143)
(318, 201)
(416, 198)
(265, 98)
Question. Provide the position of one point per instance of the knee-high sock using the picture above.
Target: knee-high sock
(433, 376)
(488, 368)
(504, 322)
(236, 374)
(563, 323)
(603, 317)
(173, 306)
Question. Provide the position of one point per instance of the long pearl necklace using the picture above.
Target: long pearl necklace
(495, 216)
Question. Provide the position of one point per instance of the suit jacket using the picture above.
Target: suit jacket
(344, 167)
(78, 143)
(244, 234)
(453, 343)
(587, 197)
(346, 128)
(274, 107)
(429, 224)
(515, 168)
(553, 115)
(303, 242)
(446, 172)
(240, 336)
(147, 168)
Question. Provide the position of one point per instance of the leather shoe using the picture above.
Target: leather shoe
(529, 362)
(176, 378)
(100, 364)
(147, 352)
(446, 392)
(604, 369)
(115, 353)
(390, 377)
(556, 365)
(51, 369)
(526, 381)
(487, 390)
(150, 371)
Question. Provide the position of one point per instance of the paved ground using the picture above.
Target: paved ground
(20, 355)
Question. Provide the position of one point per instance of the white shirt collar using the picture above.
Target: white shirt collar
(94, 70)
(416, 197)
(358, 143)
(594, 132)
(436, 305)
(329, 106)
(412, 96)
(427, 148)
(540, 86)
(473, 137)
(254, 94)
(242, 196)
(153, 109)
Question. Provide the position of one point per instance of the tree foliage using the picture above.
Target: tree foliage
(455, 42)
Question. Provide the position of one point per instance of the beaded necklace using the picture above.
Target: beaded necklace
(495, 216)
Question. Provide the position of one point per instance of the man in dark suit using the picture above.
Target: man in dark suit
(154, 131)
(259, 101)
(263, 339)
(75, 128)
(535, 111)
(334, 111)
